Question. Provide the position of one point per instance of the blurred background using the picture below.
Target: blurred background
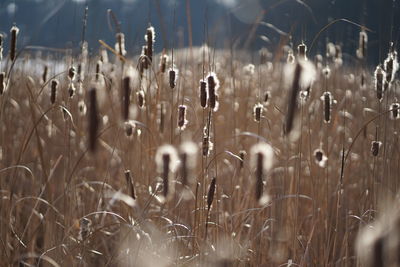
(58, 23)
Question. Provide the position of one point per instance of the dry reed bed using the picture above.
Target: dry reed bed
(62, 204)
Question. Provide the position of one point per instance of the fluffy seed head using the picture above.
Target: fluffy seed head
(129, 126)
(212, 86)
(320, 157)
(375, 146)
(71, 73)
(150, 37)
(3, 84)
(141, 99)
(362, 45)
(182, 121)
(120, 44)
(173, 76)
(13, 42)
(187, 155)
(242, 155)
(98, 70)
(395, 112)
(163, 63)
(71, 90)
(391, 66)
(302, 51)
(379, 82)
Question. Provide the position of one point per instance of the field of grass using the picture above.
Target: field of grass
(198, 156)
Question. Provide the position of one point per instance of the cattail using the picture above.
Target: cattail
(120, 44)
(257, 112)
(84, 229)
(144, 60)
(71, 89)
(173, 75)
(182, 121)
(375, 146)
(3, 84)
(140, 99)
(187, 155)
(292, 99)
(320, 158)
(211, 192)
(93, 117)
(326, 72)
(149, 37)
(290, 58)
(379, 82)
(44, 74)
(161, 116)
(98, 70)
(395, 113)
(302, 51)
(1, 46)
(213, 85)
(103, 55)
(129, 127)
(129, 182)
(82, 108)
(328, 101)
(242, 155)
(391, 66)
(267, 96)
(126, 94)
(362, 80)
(166, 159)
(163, 63)
(203, 94)
(54, 86)
(71, 73)
(13, 42)
(362, 45)
(264, 54)
(261, 160)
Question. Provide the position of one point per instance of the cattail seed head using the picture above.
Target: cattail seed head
(395, 112)
(13, 42)
(326, 72)
(292, 102)
(44, 74)
(211, 192)
(71, 90)
(144, 60)
(212, 86)
(94, 120)
(82, 108)
(391, 66)
(302, 51)
(203, 94)
(261, 159)
(242, 155)
(290, 58)
(182, 121)
(362, 45)
(98, 70)
(257, 112)
(129, 126)
(267, 96)
(173, 76)
(141, 99)
(130, 184)
(161, 116)
(320, 158)
(187, 155)
(167, 161)
(375, 146)
(379, 82)
(53, 93)
(71, 73)
(150, 37)
(120, 44)
(3, 84)
(163, 63)
(84, 229)
(328, 101)
(126, 94)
